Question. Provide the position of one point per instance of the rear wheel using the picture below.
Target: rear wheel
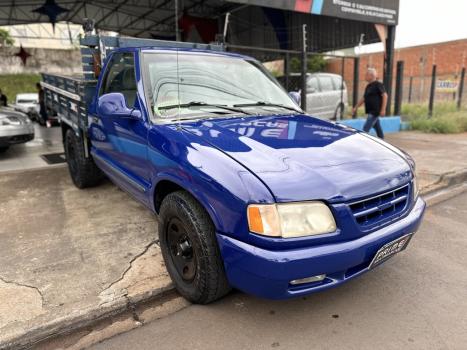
(190, 249)
(83, 171)
(338, 112)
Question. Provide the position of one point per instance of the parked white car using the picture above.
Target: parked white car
(326, 95)
(15, 127)
(29, 104)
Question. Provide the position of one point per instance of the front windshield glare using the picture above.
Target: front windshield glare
(206, 80)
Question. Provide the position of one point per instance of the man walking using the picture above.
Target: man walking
(375, 100)
(42, 108)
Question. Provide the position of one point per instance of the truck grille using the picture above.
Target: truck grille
(382, 208)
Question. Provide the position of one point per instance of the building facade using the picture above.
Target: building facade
(449, 58)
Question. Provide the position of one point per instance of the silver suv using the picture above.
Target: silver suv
(324, 96)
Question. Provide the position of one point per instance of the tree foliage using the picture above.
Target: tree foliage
(316, 63)
(5, 38)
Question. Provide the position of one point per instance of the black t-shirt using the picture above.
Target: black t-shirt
(3, 100)
(374, 98)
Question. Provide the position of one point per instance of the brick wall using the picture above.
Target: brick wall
(449, 57)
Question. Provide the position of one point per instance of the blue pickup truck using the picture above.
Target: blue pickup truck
(249, 191)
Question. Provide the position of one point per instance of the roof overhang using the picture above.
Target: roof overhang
(332, 24)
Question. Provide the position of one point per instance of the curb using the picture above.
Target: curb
(127, 313)
(445, 194)
(88, 317)
(446, 180)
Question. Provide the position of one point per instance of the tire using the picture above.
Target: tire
(337, 113)
(3, 149)
(83, 171)
(190, 250)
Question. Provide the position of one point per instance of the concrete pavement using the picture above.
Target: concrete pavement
(417, 300)
(69, 258)
(27, 156)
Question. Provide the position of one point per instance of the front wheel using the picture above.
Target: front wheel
(83, 171)
(4, 149)
(190, 250)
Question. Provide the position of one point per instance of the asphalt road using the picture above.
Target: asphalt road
(417, 300)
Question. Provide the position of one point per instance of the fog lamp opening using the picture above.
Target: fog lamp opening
(312, 279)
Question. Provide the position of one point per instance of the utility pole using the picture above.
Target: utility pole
(356, 81)
(432, 92)
(461, 89)
(399, 88)
(410, 88)
(389, 64)
(356, 71)
(177, 30)
(226, 27)
(304, 67)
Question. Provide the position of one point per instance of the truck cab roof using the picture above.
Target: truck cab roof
(156, 49)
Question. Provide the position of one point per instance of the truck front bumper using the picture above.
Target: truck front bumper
(268, 273)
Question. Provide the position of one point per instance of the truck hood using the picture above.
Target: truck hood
(299, 157)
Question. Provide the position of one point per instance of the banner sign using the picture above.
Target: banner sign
(447, 85)
(374, 11)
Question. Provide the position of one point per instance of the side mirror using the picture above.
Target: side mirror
(295, 96)
(114, 105)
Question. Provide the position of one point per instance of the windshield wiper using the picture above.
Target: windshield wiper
(203, 104)
(268, 104)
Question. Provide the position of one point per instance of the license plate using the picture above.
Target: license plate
(390, 249)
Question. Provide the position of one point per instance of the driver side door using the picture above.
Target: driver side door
(121, 141)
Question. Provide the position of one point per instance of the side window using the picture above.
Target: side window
(312, 85)
(120, 77)
(326, 84)
(337, 83)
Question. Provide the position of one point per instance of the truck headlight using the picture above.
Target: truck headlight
(291, 219)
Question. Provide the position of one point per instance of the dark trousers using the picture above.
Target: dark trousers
(373, 122)
(43, 113)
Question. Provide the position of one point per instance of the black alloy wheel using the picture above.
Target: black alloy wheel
(181, 250)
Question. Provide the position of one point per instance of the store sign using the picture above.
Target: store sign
(447, 85)
(374, 11)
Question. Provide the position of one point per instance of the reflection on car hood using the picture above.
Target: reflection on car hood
(9, 112)
(303, 158)
(14, 118)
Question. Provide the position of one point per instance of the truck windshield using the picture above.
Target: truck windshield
(193, 84)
